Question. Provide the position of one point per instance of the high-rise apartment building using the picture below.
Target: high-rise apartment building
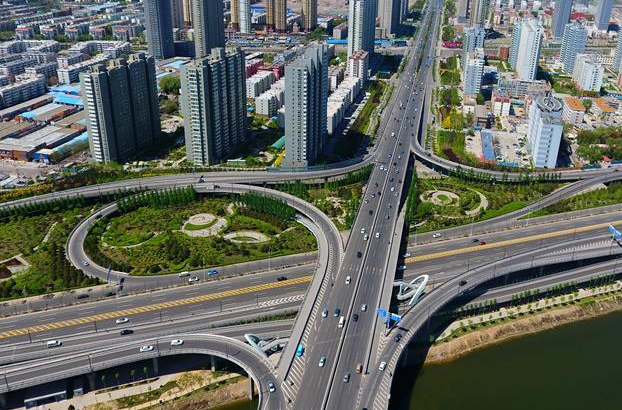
(276, 15)
(472, 39)
(480, 9)
(235, 14)
(187, 4)
(213, 103)
(309, 14)
(573, 43)
(159, 26)
(588, 72)
(121, 103)
(245, 16)
(177, 13)
(603, 14)
(473, 71)
(544, 132)
(361, 26)
(561, 16)
(617, 61)
(209, 26)
(531, 33)
(515, 45)
(306, 99)
(389, 14)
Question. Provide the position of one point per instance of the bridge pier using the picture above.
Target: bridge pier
(156, 365)
(3, 401)
(251, 390)
(90, 377)
(213, 363)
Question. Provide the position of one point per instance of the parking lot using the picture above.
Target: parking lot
(504, 148)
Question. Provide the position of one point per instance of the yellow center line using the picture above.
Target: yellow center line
(548, 235)
(156, 307)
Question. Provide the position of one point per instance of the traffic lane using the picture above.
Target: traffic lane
(60, 328)
(146, 299)
(17, 355)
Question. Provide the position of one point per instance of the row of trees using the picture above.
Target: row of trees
(158, 199)
(266, 205)
(522, 178)
(413, 199)
(39, 208)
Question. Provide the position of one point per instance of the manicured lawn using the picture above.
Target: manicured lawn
(193, 227)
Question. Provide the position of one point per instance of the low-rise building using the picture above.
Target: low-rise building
(603, 109)
(588, 72)
(71, 74)
(24, 88)
(259, 83)
(269, 103)
(358, 65)
(336, 74)
(573, 111)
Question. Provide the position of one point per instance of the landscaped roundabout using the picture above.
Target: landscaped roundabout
(177, 230)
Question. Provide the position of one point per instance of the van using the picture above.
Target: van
(359, 368)
(342, 321)
(184, 273)
(53, 343)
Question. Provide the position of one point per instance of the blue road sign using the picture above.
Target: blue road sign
(616, 234)
(381, 312)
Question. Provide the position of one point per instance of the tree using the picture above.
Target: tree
(170, 85)
(116, 376)
(103, 379)
(587, 103)
(145, 371)
(132, 374)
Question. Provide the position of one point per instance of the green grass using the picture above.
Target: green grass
(505, 209)
(148, 396)
(193, 227)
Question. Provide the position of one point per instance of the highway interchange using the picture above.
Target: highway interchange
(337, 277)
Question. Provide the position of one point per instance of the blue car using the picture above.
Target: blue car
(212, 272)
(300, 350)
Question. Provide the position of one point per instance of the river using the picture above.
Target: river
(575, 366)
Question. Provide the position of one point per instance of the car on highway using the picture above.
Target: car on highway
(403, 267)
(348, 280)
(212, 272)
(271, 387)
(355, 317)
(377, 234)
(83, 296)
(436, 235)
(463, 282)
(366, 200)
(359, 368)
(54, 343)
(482, 243)
(392, 189)
(184, 273)
(126, 332)
(193, 279)
(362, 230)
(300, 350)
(177, 342)
(364, 307)
(359, 254)
(397, 337)
(406, 255)
(324, 312)
(122, 320)
(342, 321)
(146, 348)
(322, 361)
(85, 263)
(474, 240)
(365, 237)
(109, 293)
(383, 365)
(281, 278)
(337, 312)
(346, 377)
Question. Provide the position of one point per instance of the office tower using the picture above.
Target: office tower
(480, 9)
(276, 15)
(361, 26)
(122, 108)
(529, 49)
(309, 14)
(246, 23)
(213, 103)
(573, 43)
(177, 13)
(235, 15)
(473, 38)
(618, 56)
(544, 132)
(389, 14)
(561, 16)
(515, 45)
(603, 14)
(405, 4)
(209, 26)
(187, 4)
(159, 26)
(588, 72)
(474, 71)
(306, 99)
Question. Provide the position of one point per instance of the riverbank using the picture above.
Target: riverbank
(533, 322)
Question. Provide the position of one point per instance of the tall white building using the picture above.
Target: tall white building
(473, 71)
(389, 14)
(472, 40)
(588, 72)
(213, 104)
(245, 16)
(358, 65)
(603, 14)
(544, 132)
(515, 45)
(361, 26)
(306, 99)
(573, 43)
(618, 56)
(528, 52)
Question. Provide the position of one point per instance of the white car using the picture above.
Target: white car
(436, 235)
(54, 343)
(406, 255)
(348, 280)
(366, 237)
(85, 263)
(392, 189)
(146, 348)
(325, 313)
(364, 307)
(271, 387)
(382, 366)
(177, 342)
(193, 279)
(362, 230)
(403, 267)
(322, 361)
(377, 234)
(122, 320)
